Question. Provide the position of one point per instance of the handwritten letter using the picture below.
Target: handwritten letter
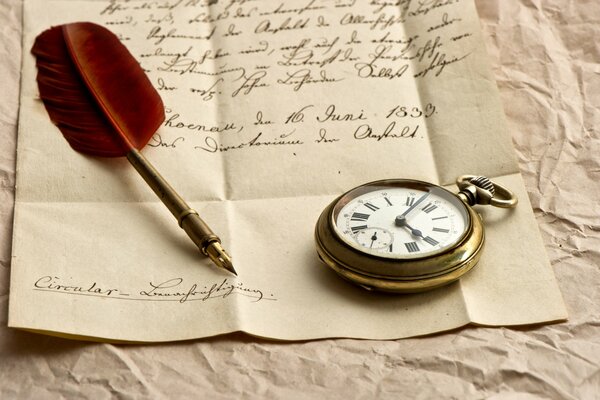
(274, 108)
(297, 80)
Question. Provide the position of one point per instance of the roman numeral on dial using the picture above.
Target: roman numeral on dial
(429, 208)
(431, 241)
(356, 229)
(410, 201)
(371, 207)
(441, 230)
(412, 247)
(360, 217)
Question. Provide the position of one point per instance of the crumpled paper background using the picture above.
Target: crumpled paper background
(547, 64)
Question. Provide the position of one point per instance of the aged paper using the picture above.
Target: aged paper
(273, 110)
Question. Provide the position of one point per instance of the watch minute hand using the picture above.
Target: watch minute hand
(415, 205)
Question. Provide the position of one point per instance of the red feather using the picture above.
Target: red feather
(103, 103)
(95, 91)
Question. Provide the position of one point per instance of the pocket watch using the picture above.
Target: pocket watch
(406, 236)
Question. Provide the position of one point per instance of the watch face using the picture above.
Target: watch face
(400, 219)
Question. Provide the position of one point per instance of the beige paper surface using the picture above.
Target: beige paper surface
(81, 222)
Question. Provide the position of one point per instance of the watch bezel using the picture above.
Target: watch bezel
(398, 275)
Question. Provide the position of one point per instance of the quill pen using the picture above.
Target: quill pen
(101, 100)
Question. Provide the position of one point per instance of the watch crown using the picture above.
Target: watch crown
(480, 190)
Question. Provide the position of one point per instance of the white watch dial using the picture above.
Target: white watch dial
(401, 221)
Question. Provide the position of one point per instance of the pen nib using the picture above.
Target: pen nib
(218, 256)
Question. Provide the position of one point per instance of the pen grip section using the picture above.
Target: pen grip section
(188, 219)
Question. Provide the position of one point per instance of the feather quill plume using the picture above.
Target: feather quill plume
(101, 100)
(95, 91)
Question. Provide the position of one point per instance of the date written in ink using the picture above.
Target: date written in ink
(399, 111)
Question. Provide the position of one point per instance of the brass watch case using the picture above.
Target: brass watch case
(398, 275)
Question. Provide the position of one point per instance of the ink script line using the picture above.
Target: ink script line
(172, 290)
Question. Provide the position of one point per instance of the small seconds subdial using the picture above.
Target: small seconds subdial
(402, 222)
(374, 238)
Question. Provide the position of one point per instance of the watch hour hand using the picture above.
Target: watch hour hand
(415, 232)
(401, 222)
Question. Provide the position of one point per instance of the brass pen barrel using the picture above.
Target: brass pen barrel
(189, 220)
